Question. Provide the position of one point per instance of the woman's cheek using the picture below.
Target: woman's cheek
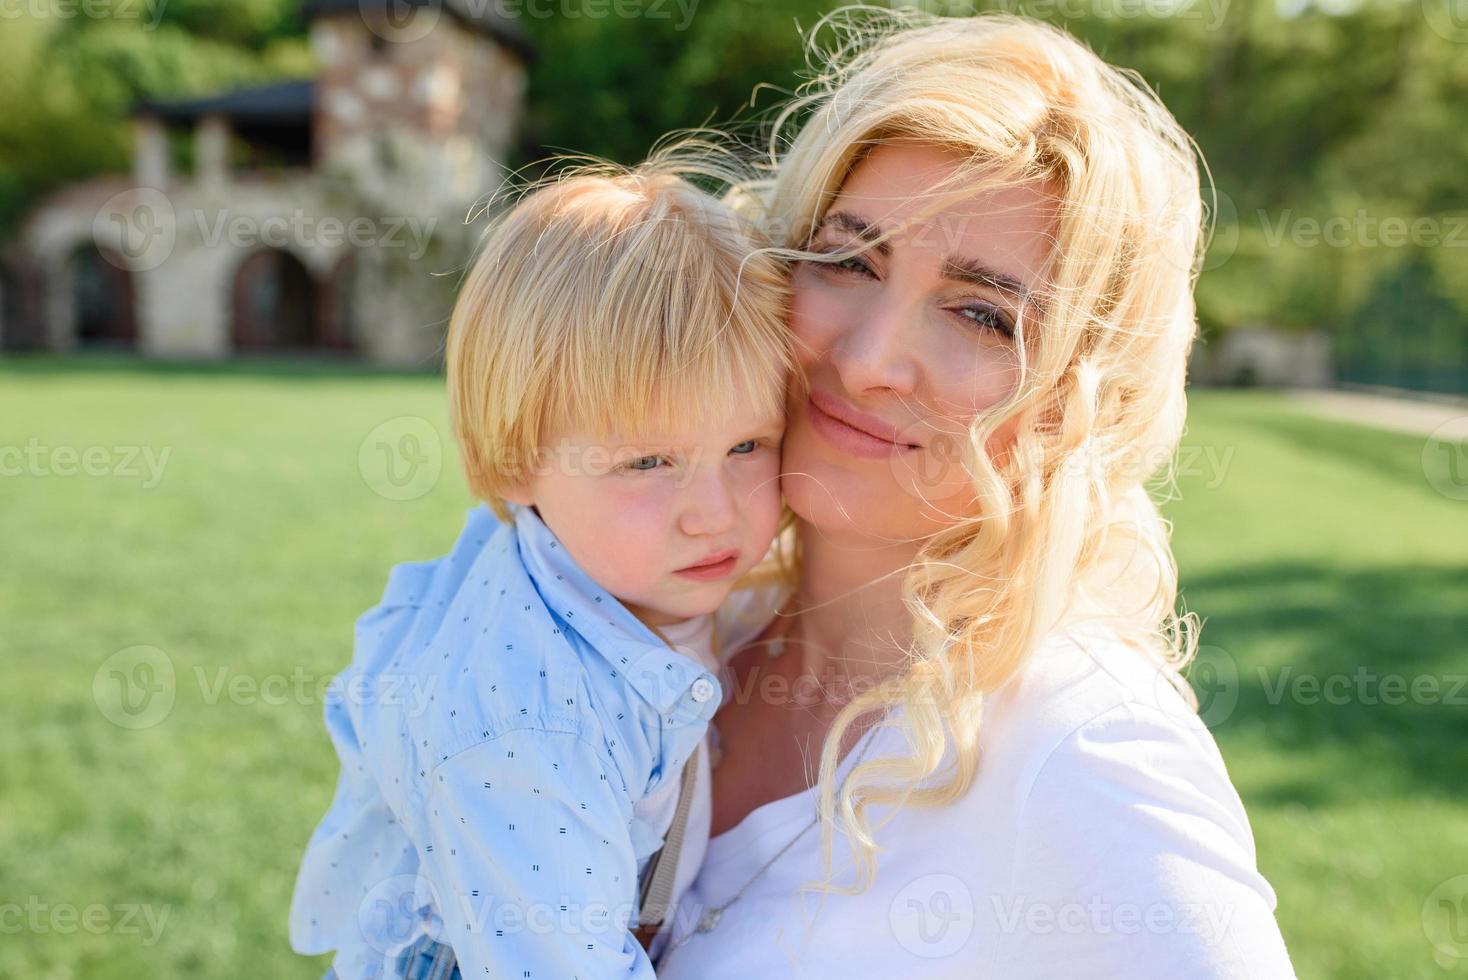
(759, 483)
(816, 315)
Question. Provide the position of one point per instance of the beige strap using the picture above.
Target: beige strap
(657, 883)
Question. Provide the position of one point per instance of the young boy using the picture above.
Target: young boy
(522, 724)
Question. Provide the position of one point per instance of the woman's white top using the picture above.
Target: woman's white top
(1100, 838)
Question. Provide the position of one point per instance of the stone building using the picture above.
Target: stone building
(323, 214)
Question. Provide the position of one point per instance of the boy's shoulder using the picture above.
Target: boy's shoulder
(477, 651)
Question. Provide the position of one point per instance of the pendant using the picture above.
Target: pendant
(709, 920)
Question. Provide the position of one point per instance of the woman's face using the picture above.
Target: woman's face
(909, 341)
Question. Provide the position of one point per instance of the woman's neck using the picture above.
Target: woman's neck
(850, 622)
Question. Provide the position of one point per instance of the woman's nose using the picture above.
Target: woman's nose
(880, 347)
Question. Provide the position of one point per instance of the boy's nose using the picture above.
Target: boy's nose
(710, 509)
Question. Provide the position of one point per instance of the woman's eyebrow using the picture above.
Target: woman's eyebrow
(957, 268)
(979, 274)
(858, 226)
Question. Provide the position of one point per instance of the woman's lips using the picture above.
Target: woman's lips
(850, 439)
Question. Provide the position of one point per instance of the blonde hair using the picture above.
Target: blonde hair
(1067, 530)
(615, 298)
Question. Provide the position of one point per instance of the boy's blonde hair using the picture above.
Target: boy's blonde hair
(618, 300)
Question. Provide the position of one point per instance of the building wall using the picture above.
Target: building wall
(406, 138)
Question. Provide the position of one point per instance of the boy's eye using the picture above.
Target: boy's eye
(752, 445)
(651, 463)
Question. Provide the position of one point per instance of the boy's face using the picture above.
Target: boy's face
(636, 511)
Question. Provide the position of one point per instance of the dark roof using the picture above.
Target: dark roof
(477, 15)
(281, 102)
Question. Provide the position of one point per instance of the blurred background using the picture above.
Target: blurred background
(230, 232)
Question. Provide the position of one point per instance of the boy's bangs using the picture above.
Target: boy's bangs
(647, 397)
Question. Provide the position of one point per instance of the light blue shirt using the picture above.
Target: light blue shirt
(500, 717)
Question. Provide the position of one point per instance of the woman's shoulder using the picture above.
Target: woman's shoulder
(1083, 679)
(1121, 810)
(1093, 715)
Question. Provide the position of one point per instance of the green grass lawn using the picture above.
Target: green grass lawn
(236, 520)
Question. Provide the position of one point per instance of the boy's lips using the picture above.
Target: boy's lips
(715, 558)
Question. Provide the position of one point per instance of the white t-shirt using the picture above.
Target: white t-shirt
(1100, 838)
(694, 639)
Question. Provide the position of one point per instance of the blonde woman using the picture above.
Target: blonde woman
(957, 745)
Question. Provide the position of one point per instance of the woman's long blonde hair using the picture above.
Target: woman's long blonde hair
(1067, 529)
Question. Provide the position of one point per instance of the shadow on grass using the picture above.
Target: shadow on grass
(1386, 453)
(311, 366)
(1310, 648)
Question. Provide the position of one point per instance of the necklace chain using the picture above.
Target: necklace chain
(709, 920)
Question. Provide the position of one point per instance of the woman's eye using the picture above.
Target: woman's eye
(850, 266)
(751, 444)
(989, 317)
(637, 464)
(853, 265)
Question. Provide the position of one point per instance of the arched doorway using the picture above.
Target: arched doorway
(102, 299)
(338, 305)
(274, 303)
(20, 326)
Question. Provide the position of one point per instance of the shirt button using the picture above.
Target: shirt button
(702, 690)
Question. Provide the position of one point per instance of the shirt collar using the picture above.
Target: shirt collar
(667, 679)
